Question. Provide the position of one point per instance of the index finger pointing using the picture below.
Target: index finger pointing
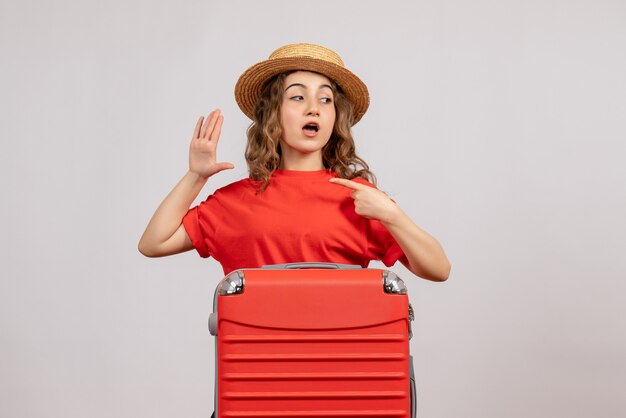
(349, 184)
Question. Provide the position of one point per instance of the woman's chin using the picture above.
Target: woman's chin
(304, 146)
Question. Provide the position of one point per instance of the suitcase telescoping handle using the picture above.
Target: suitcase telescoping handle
(295, 266)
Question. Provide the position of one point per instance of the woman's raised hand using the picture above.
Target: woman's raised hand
(203, 148)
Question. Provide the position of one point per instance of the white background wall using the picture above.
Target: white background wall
(499, 126)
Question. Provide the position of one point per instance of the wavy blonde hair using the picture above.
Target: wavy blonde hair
(263, 152)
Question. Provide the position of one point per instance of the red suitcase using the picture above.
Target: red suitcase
(312, 340)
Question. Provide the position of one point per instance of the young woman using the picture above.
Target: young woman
(308, 196)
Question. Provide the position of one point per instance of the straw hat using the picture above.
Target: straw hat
(307, 57)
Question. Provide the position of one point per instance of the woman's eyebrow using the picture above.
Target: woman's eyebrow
(295, 85)
(304, 87)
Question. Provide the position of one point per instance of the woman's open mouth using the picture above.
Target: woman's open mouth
(310, 129)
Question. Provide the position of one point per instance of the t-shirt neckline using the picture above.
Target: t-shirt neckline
(298, 173)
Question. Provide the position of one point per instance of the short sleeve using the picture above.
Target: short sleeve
(381, 244)
(200, 224)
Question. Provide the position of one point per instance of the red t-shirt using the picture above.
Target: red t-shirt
(300, 217)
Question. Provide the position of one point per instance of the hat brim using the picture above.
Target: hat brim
(249, 87)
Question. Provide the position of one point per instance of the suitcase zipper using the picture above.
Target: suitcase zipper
(411, 319)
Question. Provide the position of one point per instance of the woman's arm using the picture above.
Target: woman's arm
(165, 234)
(423, 255)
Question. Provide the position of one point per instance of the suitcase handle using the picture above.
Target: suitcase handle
(308, 265)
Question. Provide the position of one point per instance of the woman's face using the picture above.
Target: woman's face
(307, 114)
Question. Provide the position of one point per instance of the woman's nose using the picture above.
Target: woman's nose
(313, 110)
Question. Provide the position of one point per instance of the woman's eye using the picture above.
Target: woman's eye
(327, 100)
(297, 98)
